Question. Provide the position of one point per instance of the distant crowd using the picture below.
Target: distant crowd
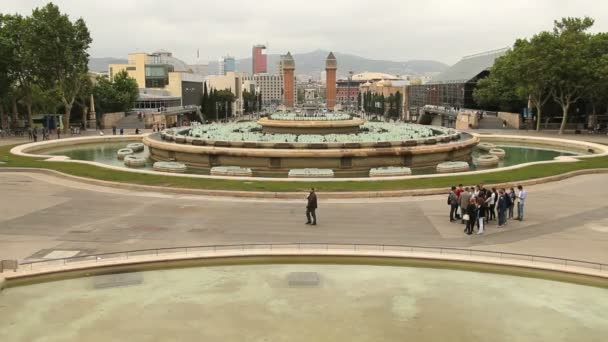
(475, 206)
(44, 133)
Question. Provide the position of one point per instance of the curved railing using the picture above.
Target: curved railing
(307, 248)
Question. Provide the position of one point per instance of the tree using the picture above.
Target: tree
(523, 72)
(204, 99)
(22, 74)
(83, 99)
(249, 100)
(571, 63)
(300, 95)
(225, 98)
(61, 53)
(116, 95)
(398, 104)
(498, 91)
(597, 87)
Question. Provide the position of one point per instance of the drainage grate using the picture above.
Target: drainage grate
(303, 279)
(117, 280)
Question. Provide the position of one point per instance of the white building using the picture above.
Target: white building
(270, 86)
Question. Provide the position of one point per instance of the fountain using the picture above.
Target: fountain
(344, 144)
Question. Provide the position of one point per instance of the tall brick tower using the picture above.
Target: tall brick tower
(288, 66)
(331, 65)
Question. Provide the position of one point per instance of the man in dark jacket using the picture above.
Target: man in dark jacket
(311, 217)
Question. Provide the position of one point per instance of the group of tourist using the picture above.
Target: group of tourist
(475, 206)
(45, 132)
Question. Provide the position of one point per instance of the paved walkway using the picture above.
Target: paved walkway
(41, 214)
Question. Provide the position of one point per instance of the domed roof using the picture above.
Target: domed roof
(367, 76)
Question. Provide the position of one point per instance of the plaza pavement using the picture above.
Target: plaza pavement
(42, 214)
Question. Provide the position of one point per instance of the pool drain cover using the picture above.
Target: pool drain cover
(303, 279)
(117, 280)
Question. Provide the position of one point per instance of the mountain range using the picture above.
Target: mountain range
(313, 63)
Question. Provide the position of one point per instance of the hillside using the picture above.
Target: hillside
(313, 63)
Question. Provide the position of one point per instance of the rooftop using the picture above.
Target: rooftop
(469, 67)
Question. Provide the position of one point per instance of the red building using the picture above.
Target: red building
(348, 92)
(259, 61)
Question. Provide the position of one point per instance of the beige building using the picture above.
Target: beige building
(163, 80)
(233, 82)
(389, 87)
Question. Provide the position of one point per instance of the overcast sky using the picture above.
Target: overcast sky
(382, 29)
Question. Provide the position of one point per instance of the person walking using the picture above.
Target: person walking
(521, 198)
(453, 203)
(30, 134)
(470, 217)
(465, 198)
(122, 131)
(311, 206)
(114, 130)
(58, 133)
(502, 209)
(35, 134)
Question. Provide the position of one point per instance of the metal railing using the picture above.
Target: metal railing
(311, 247)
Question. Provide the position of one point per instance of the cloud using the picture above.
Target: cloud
(388, 29)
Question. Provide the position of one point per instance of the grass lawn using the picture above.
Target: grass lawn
(90, 171)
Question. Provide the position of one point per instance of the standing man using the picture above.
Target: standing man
(501, 205)
(458, 192)
(465, 199)
(311, 217)
(521, 200)
(453, 203)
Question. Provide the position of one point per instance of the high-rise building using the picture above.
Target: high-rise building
(331, 65)
(259, 63)
(225, 65)
(229, 64)
(288, 67)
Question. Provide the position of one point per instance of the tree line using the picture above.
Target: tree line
(44, 68)
(389, 106)
(566, 66)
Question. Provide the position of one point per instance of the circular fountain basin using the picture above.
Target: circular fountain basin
(123, 152)
(487, 160)
(248, 145)
(485, 146)
(499, 152)
(312, 126)
(303, 299)
(133, 161)
(136, 147)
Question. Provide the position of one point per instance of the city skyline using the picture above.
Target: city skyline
(455, 29)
